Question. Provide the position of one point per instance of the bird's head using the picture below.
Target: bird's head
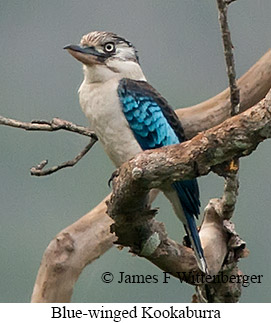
(105, 55)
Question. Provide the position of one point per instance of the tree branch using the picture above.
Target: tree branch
(53, 125)
(134, 222)
(40, 171)
(43, 125)
(227, 44)
(235, 137)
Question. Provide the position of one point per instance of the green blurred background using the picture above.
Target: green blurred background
(180, 50)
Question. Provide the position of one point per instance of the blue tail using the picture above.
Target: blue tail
(192, 232)
(188, 196)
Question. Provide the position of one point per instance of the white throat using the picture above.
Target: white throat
(113, 69)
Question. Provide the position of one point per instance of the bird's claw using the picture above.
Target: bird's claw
(114, 174)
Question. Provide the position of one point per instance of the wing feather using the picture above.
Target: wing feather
(155, 124)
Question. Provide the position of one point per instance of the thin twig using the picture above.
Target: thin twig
(230, 172)
(227, 43)
(53, 125)
(43, 125)
(40, 171)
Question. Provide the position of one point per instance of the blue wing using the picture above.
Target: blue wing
(155, 124)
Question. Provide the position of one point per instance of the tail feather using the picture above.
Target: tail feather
(193, 235)
(190, 226)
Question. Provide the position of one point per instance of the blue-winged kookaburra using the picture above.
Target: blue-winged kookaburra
(128, 115)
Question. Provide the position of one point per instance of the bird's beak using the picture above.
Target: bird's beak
(86, 55)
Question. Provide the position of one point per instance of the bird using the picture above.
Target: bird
(129, 116)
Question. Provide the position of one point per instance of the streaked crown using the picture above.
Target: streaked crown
(110, 45)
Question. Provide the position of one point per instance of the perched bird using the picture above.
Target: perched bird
(128, 115)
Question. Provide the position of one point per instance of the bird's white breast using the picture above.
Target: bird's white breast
(101, 105)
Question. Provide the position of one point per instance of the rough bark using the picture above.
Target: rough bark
(134, 222)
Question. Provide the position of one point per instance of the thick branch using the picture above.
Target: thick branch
(134, 224)
(235, 137)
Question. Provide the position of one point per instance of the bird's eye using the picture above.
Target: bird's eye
(109, 47)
